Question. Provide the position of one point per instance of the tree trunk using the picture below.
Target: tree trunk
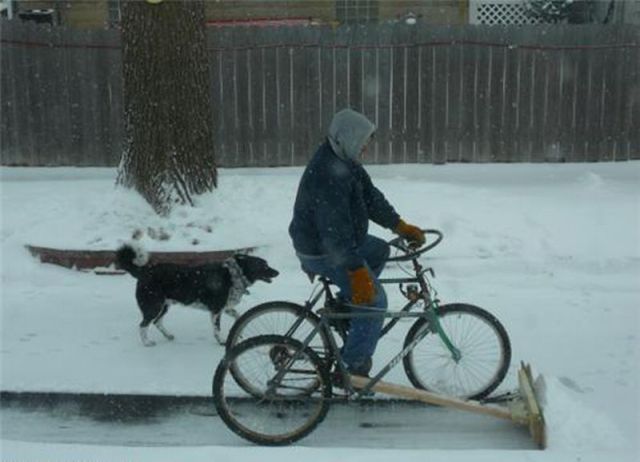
(168, 152)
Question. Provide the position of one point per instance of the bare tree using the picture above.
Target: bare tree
(168, 150)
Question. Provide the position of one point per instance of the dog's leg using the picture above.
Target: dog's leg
(215, 322)
(144, 330)
(151, 303)
(168, 335)
(144, 336)
(153, 312)
(231, 311)
(158, 323)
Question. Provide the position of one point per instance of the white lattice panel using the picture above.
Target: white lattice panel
(494, 12)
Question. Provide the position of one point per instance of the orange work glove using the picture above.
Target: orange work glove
(362, 289)
(410, 232)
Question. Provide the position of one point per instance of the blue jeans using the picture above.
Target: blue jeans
(363, 332)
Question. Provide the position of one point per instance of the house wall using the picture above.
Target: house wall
(435, 12)
(81, 14)
(94, 14)
(86, 14)
(258, 9)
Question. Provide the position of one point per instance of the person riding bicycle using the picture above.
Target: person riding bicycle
(329, 229)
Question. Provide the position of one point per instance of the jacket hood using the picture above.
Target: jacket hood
(348, 133)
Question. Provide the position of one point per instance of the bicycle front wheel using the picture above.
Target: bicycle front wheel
(290, 390)
(482, 342)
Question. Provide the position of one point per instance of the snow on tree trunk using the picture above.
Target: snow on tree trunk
(168, 152)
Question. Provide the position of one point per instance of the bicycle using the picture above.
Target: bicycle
(297, 321)
(288, 317)
(281, 376)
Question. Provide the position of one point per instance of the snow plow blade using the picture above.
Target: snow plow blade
(524, 408)
(532, 416)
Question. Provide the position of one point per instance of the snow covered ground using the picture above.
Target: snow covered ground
(552, 250)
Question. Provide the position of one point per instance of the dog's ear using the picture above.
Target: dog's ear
(245, 266)
(241, 260)
(245, 260)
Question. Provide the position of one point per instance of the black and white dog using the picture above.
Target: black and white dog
(216, 287)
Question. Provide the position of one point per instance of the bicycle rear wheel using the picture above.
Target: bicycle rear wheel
(278, 410)
(277, 318)
(482, 341)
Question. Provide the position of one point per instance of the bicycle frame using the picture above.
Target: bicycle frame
(430, 305)
(325, 318)
(430, 313)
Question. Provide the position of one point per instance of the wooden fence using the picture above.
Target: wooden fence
(437, 94)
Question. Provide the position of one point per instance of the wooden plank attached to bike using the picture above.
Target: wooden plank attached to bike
(525, 409)
(432, 398)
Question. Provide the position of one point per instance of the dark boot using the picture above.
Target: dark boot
(362, 371)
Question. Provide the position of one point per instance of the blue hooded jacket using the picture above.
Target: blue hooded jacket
(336, 198)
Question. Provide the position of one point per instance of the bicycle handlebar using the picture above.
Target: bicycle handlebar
(411, 253)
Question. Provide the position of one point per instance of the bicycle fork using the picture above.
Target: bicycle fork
(431, 309)
(436, 327)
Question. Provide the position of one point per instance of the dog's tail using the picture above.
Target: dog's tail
(131, 259)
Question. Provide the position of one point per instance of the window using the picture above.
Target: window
(357, 11)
